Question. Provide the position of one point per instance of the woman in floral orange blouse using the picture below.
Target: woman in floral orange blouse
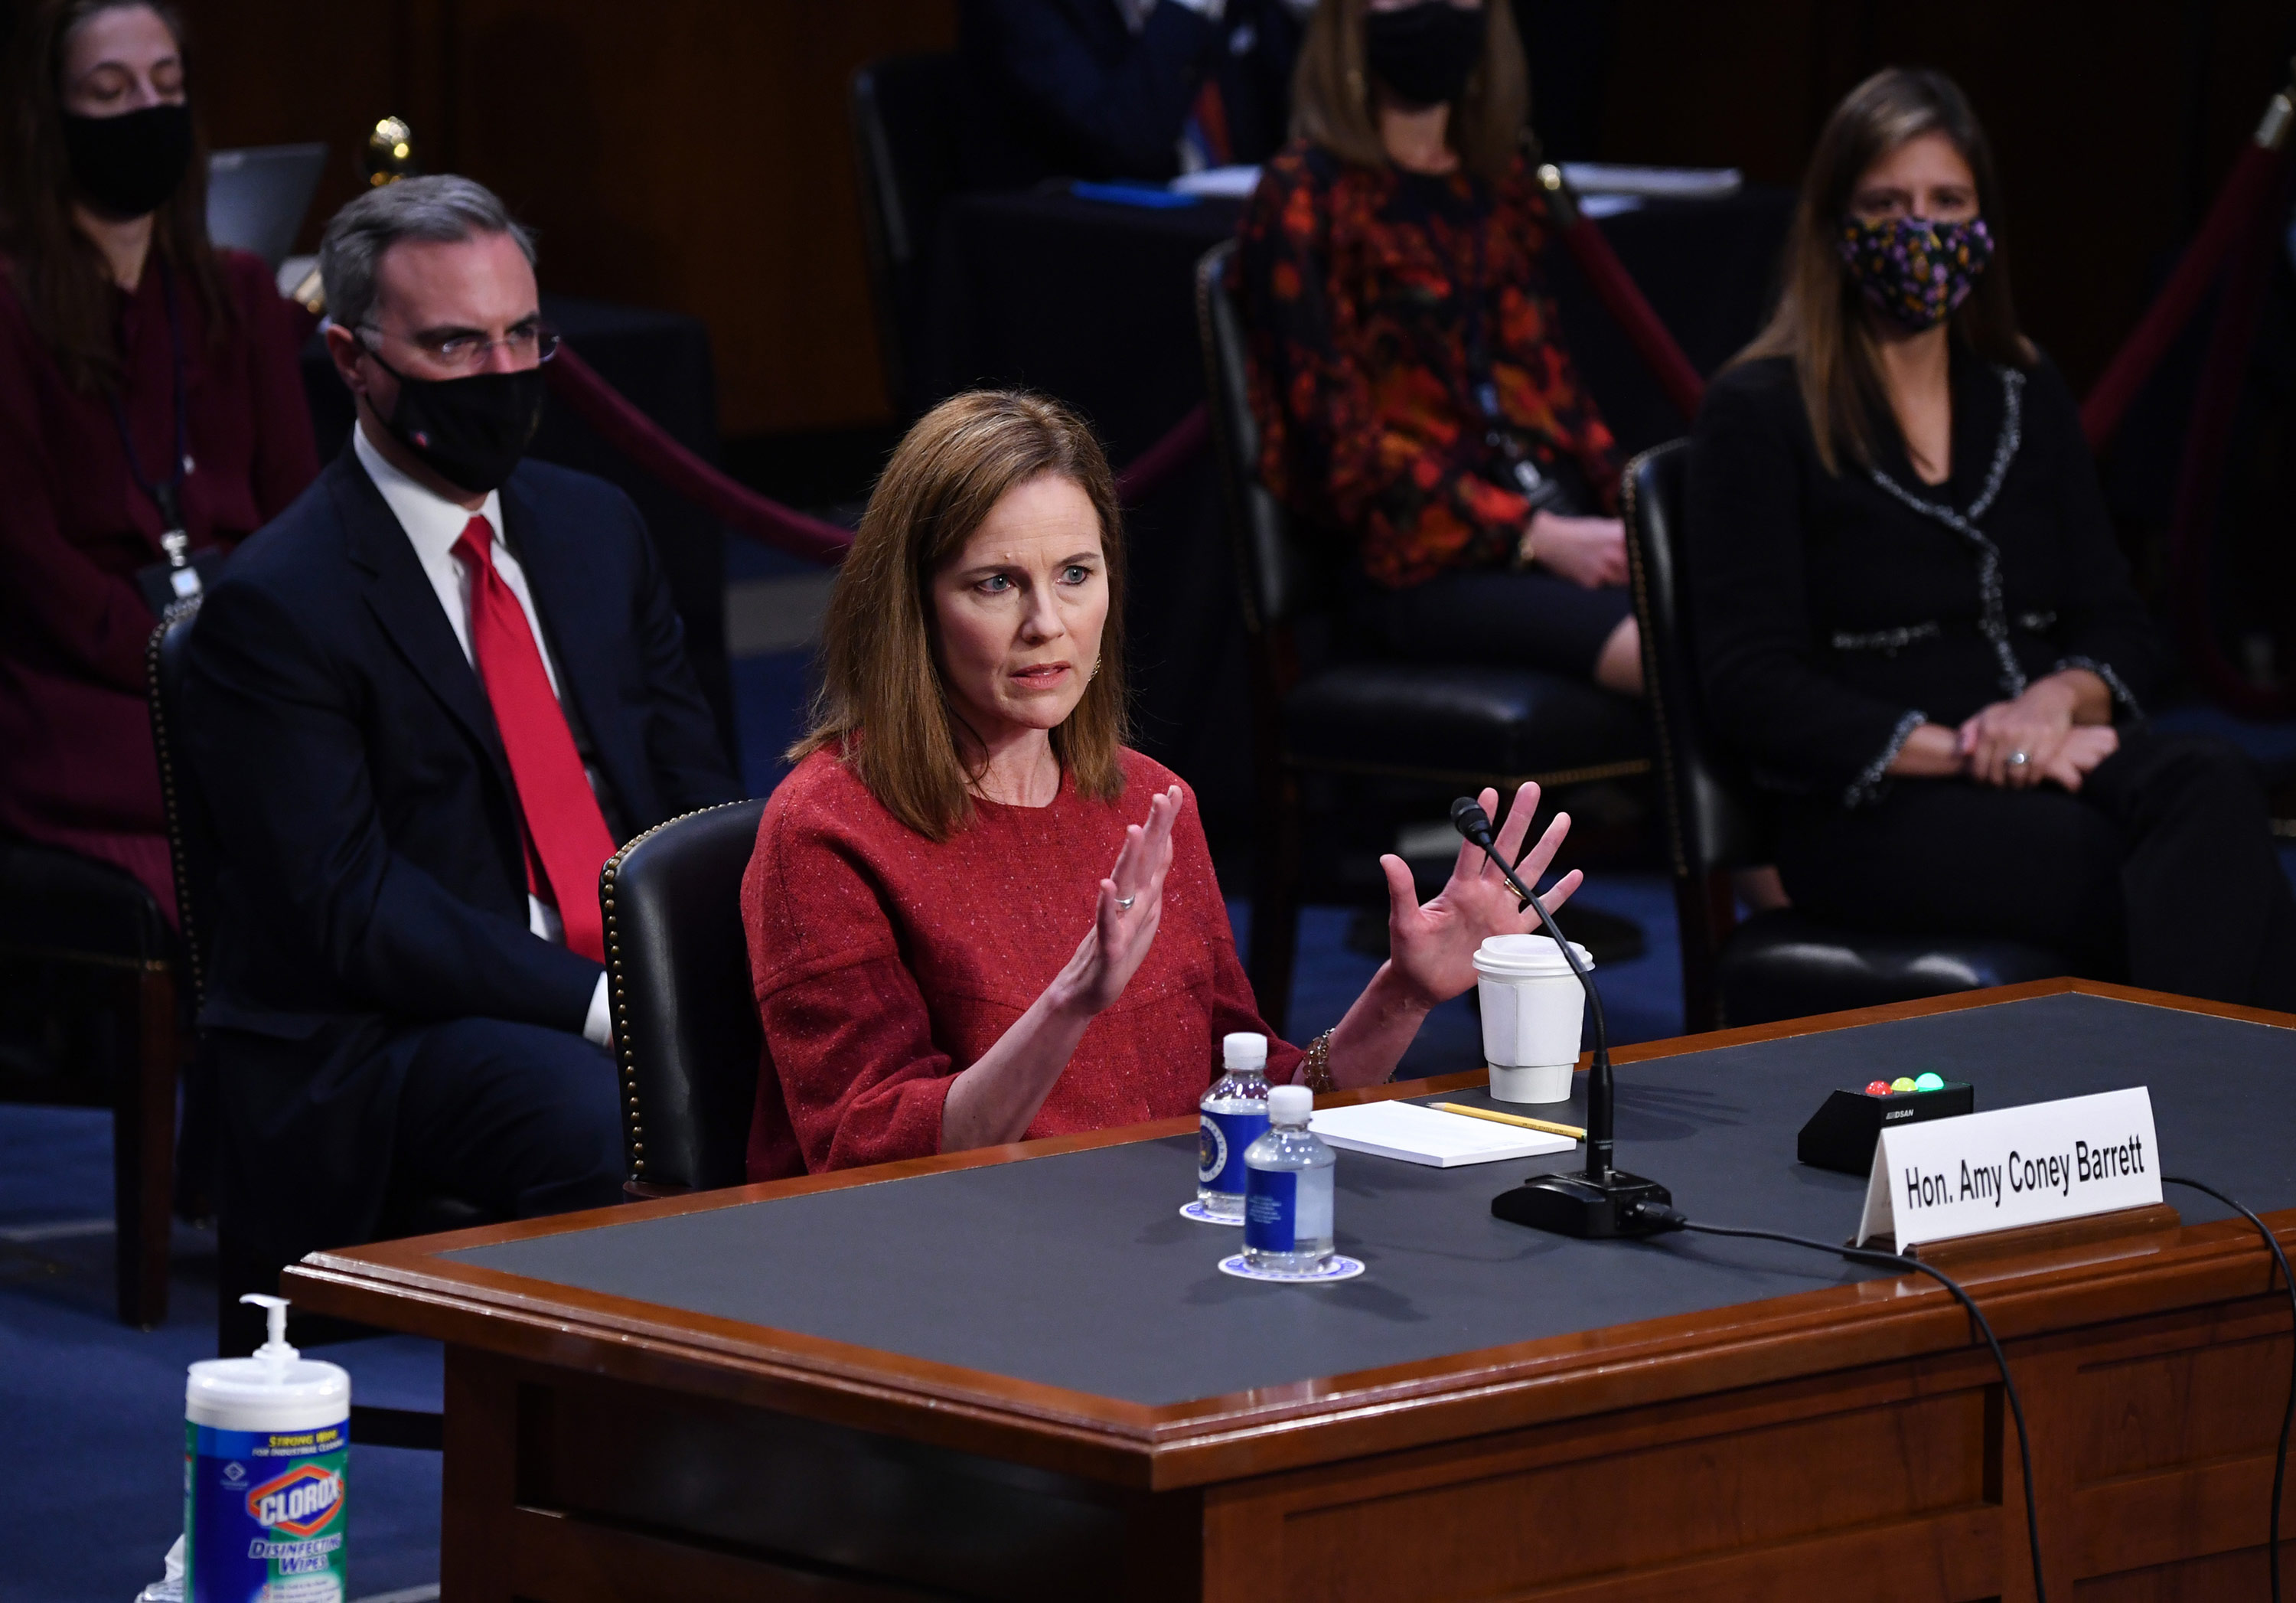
(1408, 370)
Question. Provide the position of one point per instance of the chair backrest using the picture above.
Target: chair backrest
(1713, 818)
(906, 113)
(686, 1022)
(190, 829)
(1283, 572)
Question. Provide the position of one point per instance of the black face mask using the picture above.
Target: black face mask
(128, 164)
(1423, 52)
(470, 431)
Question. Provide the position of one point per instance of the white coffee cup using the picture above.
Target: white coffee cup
(1532, 1009)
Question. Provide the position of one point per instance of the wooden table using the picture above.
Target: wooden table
(1842, 1441)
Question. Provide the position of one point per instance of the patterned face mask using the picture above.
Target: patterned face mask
(1916, 270)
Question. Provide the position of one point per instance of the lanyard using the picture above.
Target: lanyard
(1539, 489)
(167, 495)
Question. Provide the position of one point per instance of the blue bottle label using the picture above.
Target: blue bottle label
(1221, 1139)
(264, 1516)
(1271, 1202)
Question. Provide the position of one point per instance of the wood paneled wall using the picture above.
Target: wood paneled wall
(695, 153)
(691, 154)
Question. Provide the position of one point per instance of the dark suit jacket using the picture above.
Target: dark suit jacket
(1061, 88)
(372, 876)
(1828, 612)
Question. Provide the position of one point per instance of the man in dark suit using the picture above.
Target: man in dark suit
(1124, 88)
(423, 704)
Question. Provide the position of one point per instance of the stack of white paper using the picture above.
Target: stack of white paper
(1421, 1135)
(1666, 183)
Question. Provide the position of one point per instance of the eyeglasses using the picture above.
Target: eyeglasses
(535, 342)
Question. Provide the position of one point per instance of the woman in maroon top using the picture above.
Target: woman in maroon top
(975, 917)
(138, 366)
(1408, 370)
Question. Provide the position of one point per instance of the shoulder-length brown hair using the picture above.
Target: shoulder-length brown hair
(1331, 92)
(1821, 322)
(63, 279)
(883, 706)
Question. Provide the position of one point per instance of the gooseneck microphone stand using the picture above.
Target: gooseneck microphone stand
(1598, 1201)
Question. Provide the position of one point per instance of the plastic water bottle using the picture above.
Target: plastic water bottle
(1287, 1206)
(266, 1439)
(1234, 1114)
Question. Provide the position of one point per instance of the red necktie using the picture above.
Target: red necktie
(1209, 115)
(565, 831)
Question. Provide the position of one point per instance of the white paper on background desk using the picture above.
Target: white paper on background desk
(1421, 1135)
(1657, 182)
(1221, 183)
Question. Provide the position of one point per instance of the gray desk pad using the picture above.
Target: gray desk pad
(1075, 1270)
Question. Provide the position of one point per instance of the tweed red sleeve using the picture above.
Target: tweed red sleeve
(852, 1073)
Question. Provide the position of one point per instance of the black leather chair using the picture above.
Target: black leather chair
(193, 845)
(1777, 965)
(685, 1021)
(61, 911)
(906, 113)
(1450, 726)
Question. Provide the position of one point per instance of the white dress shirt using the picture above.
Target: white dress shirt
(433, 525)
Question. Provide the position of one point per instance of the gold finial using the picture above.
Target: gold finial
(390, 154)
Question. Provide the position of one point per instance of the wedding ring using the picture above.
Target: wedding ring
(1124, 903)
(2018, 759)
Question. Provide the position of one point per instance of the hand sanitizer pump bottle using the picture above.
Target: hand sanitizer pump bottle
(266, 1443)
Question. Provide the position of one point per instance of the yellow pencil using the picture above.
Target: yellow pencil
(1496, 1117)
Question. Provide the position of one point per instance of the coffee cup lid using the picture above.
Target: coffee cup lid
(1526, 956)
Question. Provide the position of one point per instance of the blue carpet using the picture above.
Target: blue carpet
(91, 1412)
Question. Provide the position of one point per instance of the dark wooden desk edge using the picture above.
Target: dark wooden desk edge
(405, 1286)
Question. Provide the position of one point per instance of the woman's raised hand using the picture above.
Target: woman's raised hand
(1130, 907)
(1433, 947)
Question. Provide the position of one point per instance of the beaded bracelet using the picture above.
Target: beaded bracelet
(1319, 1064)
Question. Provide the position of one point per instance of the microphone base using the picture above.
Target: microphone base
(1586, 1206)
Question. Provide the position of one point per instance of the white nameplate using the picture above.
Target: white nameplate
(2016, 1166)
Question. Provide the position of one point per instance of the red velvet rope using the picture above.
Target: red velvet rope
(1623, 299)
(639, 438)
(2228, 223)
(1160, 461)
(2208, 446)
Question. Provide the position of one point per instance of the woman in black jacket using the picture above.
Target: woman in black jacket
(1913, 621)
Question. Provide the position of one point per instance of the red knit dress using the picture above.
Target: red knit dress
(884, 964)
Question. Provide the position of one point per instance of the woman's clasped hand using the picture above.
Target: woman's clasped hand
(1591, 553)
(2020, 743)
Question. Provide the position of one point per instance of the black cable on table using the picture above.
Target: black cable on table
(2287, 1414)
(1897, 1261)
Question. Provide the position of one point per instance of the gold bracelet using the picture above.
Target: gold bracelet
(1319, 1064)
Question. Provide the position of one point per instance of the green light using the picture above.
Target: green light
(1929, 1083)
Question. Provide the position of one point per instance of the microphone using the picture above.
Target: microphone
(1600, 1200)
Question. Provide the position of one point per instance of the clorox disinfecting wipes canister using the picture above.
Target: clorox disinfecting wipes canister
(265, 1445)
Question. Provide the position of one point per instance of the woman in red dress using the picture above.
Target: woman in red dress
(148, 389)
(973, 914)
(1409, 375)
